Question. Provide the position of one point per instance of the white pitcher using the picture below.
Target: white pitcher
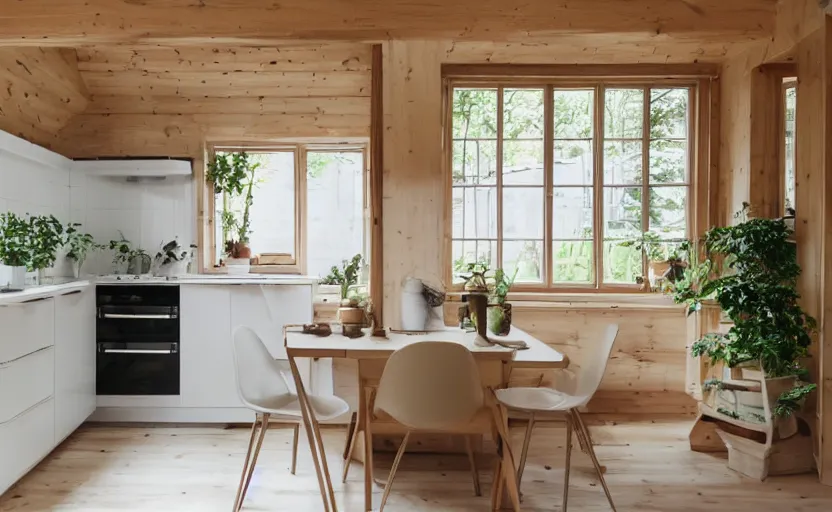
(414, 305)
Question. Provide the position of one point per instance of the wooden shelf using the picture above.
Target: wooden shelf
(706, 410)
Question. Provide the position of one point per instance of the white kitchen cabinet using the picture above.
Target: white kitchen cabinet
(27, 328)
(25, 440)
(206, 355)
(74, 360)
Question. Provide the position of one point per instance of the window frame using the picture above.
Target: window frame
(699, 82)
(300, 150)
(787, 82)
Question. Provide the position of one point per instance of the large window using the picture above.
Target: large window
(309, 209)
(550, 180)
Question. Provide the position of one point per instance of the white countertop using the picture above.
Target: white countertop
(213, 279)
(45, 291)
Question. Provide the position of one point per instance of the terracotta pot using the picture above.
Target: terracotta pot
(499, 319)
(355, 316)
(243, 251)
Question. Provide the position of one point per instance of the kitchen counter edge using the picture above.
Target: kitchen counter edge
(43, 292)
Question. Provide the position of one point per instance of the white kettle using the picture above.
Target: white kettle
(414, 306)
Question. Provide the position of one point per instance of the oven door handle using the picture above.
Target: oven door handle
(172, 350)
(139, 317)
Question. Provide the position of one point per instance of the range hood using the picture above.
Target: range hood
(134, 168)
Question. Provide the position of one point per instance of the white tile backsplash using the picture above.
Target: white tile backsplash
(149, 212)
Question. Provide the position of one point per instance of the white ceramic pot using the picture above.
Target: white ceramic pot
(237, 266)
(12, 277)
(76, 267)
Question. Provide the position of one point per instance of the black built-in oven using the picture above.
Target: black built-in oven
(137, 336)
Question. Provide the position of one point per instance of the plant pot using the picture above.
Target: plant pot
(499, 319)
(174, 268)
(237, 266)
(76, 267)
(353, 316)
(243, 251)
(43, 278)
(139, 265)
(13, 278)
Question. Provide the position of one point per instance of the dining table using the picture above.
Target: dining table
(495, 363)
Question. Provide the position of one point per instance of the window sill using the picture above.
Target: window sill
(528, 300)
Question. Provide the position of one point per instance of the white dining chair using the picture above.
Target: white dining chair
(547, 401)
(263, 386)
(431, 386)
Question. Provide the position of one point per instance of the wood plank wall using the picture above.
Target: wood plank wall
(40, 91)
(152, 100)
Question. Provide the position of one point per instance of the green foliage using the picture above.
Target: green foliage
(124, 251)
(15, 247)
(731, 414)
(792, 400)
(79, 244)
(345, 276)
(501, 285)
(695, 284)
(45, 238)
(752, 273)
(172, 252)
(234, 175)
(650, 244)
(713, 384)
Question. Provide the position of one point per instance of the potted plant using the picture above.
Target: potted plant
(80, 245)
(661, 262)
(499, 311)
(15, 250)
(345, 277)
(45, 239)
(172, 259)
(128, 260)
(750, 269)
(234, 176)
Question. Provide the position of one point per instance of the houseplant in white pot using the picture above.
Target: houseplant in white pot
(46, 238)
(79, 246)
(15, 252)
(172, 259)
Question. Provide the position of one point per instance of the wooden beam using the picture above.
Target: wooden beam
(84, 22)
(581, 71)
(377, 186)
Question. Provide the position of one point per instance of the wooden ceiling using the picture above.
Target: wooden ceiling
(253, 22)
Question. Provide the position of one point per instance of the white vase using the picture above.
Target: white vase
(414, 306)
(237, 266)
(12, 277)
(43, 277)
(76, 267)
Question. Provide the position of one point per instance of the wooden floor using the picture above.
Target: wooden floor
(649, 468)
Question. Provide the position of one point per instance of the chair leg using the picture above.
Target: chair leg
(579, 421)
(264, 426)
(473, 461)
(525, 452)
(295, 448)
(350, 431)
(509, 470)
(497, 485)
(237, 504)
(568, 463)
(352, 435)
(320, 440)
(393, 469)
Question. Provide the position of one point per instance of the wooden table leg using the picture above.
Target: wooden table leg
(367, 413)
(310, 435)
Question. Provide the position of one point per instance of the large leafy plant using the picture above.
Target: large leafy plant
(751, 270)
(15, 248)
(46, 237)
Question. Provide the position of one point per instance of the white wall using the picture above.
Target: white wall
(37, 181)
(148, 213)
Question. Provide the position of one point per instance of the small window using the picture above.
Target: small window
(308, 209)
(790, 110)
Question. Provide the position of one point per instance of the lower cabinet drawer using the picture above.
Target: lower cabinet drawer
(24, 441)
(27, 328)
(25, 382)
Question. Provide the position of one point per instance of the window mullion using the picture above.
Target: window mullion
(645, 175)
(548, 179)
(300, 208)
(598, 186)
(499, 177)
